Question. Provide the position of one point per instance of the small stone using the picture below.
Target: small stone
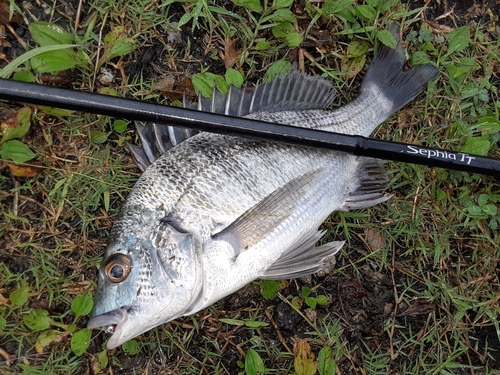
(286, 318)
(311, 314)
(327, 266)
(107, 76)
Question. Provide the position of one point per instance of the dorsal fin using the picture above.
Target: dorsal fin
(295, 91)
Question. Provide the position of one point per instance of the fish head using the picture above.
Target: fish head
(148, 277)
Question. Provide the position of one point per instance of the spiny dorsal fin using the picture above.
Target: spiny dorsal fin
(148, 153)
(295, 91)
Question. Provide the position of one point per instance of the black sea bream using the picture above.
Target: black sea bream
(215, 212)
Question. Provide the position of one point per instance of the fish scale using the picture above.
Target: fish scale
(204, 191)
(215, 212)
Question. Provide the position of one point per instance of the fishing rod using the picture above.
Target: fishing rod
(222, 124)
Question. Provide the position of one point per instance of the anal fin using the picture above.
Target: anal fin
(372, 181)
(303, 258)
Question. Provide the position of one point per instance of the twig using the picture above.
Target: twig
(6, 355)
(78, 13)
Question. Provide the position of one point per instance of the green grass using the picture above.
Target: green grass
(416, 288)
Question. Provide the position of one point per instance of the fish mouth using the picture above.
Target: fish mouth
(114, 321)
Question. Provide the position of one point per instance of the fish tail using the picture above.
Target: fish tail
(386, 74)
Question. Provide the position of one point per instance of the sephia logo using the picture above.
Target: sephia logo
(440, 154)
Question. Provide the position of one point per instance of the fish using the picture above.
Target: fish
(212, 213)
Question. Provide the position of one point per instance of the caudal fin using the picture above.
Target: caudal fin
(387, 75)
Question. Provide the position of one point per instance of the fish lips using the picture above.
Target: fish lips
(119, 318)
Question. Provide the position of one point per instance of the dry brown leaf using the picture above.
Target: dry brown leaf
(23, 170)
(6, 113)
(186, 86)
(3, 301)
(418, 307)
(374, 239)
(304, 359)
(10, 122)
(231, 54)
(49, 337)
(5, 12)
(63, 78)
(166, 83)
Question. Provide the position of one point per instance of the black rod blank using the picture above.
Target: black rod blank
(217, 123)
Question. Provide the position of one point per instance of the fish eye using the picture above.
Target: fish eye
(117, 268)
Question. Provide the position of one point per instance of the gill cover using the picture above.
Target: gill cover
(179, 253)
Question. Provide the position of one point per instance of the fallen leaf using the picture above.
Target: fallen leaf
(166, 83)
(5, 13)
(63, 78)
(352, 66)
(6, 112)
(23, 170)
(16, 125)
(99, 361)
(48, 337)
(231, 54)
(374, 239)
(418, 307)
(304, 360)
(39, 304)
(3, 301)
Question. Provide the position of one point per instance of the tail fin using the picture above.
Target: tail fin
(386, 73)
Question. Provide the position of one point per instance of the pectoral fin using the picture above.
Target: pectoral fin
(259, 221)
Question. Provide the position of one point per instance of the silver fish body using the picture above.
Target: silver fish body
(216, 212)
